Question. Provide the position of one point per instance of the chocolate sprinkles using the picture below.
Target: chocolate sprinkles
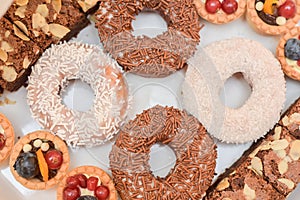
(194, 149)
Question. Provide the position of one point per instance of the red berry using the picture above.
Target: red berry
(2, 141)
(212, 6)
(72, 182)
(92, 183)
(102, 192)
(71, 193)
(298, 37)
(298, 63)
(54, 159)
(287, 10)
(82, 180)
(229, 6)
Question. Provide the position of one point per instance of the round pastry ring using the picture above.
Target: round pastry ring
(68, 61)
(10, 137)
(184, 134)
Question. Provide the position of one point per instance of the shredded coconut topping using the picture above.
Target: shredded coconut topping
(50, 75)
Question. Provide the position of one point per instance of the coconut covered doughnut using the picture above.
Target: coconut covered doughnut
(149, 57)
(210, 68)
(62, 63)
(193, 147)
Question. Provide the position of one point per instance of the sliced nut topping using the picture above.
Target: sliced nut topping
(21, 2)
(295, 118)
(26, 62)
(9, 74)
(83, 5)
(280, 153)
(285, 121)
(295, 150)
(3, 55)
(290, 184)
(7, 33)
(249, 193)
(43, 10)
(266, 145)
(39, 22)
(21, 26)
(253, 153)
(58, 30)
(223, 185)
(279, 144)
(20, 11)
(287, 159)
(277, 133)
(257, 166)
(20, 34)
(283, 167)
(6, 46)
(56, 5)
(36, 33)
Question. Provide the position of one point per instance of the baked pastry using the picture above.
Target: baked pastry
(51, 74)
(208, 72)
(220, 12)
(288, 53)
(150, 57)
(194, 149)
(7, 137)
(273, 17)
(87, 183)
(39, 160)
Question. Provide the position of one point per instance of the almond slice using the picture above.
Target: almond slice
(58, 30)
(9, 74)
(21, 2)
(56, 5)
(20, 34)
(42, 10)
(26, 62)
(21, 26)
(20, 12)
(3, 55)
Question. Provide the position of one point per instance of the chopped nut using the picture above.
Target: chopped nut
(27, 148)
(277, 133)
(58, 30)
(279, 144)
(56, 5)
(266, 145)
(285, 121)
(7, 33)
(295, 150)
(290, 184)
(42, 10)
(280, 153)
(257, 166)
(6, 46)
(3, 55)
(20, 11)
(21, 2)
(223, 185)
(283, 167)
(37, 143)
(38, 21)
(45, 146)
(9, 74)
(249, 193)
(26, 62)
(20, 34)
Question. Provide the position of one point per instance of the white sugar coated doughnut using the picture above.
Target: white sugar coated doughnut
(67, 61)
(206, 75)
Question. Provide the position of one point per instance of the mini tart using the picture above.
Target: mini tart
(262, 27)
(89, 171)
(9, 135)
(220, 17)
(291, 71)
(36, 184)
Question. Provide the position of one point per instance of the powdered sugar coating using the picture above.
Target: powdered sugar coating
(50, 75)
(262, 71)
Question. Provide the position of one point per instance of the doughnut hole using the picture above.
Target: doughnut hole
(77, 95)
(149, 23)
(162, 160)
(235, 91)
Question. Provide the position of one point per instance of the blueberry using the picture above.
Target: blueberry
(292, 49)
(27, 165)
(87, 197)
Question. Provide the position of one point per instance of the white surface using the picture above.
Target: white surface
(146, 93)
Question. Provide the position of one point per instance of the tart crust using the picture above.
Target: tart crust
(260, 26)
(90, 170)
(220, 17)
(287, 69)
(36, 184)
(10, 137)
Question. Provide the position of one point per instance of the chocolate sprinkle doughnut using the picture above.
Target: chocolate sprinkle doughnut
(194, 149)
(145, 56)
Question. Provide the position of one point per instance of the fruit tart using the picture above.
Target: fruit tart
(87, 183)
(288, 53)
(273, 17)
(7, 137)
(220, 11)
(39, 160)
